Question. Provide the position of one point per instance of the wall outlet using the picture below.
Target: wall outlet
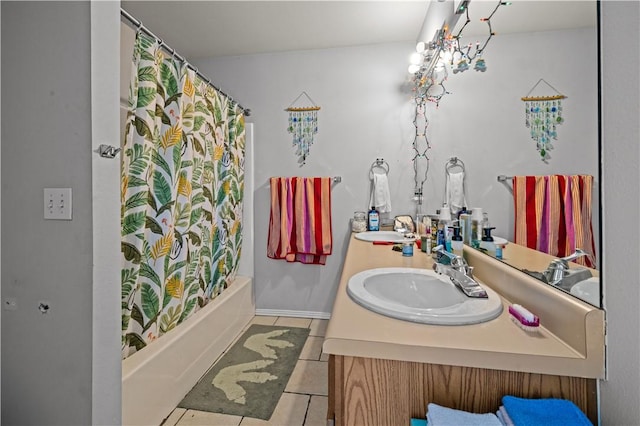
(57, 203)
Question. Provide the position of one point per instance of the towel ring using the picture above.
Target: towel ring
(379, 164)
(454, 162)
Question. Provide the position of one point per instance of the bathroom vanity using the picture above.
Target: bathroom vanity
(384, 370)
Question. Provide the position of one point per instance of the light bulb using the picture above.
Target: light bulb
(415, 58)
(421, 46)
(413, 68)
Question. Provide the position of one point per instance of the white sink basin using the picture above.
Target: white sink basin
(420, 295)
(387, 236)
(588, 290)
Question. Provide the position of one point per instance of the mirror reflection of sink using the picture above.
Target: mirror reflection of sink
(588, 290)
(420, 295)
(387, 236)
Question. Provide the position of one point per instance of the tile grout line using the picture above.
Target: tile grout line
(306, 413)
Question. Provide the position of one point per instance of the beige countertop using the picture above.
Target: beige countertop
(497, 344)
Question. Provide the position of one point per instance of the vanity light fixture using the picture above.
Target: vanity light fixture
(445, 49)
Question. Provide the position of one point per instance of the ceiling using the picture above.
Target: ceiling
(199, 29)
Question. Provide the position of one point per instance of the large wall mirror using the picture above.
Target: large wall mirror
(483, 121)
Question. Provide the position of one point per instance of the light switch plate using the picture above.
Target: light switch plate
(57, 203)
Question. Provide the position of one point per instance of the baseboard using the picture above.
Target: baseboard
(296, 314)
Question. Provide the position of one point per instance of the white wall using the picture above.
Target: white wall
(620, 394)
(367, 113)
(106, 364)
(46, 130)
(362, 117)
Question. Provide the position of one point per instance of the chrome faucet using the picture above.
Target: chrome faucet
(460, 273)
(559, 268)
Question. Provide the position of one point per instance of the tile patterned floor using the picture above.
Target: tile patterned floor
(304, 401)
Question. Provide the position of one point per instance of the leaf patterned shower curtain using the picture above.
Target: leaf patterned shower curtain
(182, 181)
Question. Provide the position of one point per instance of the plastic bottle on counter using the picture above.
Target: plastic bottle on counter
(441, 236)
(407, 248)
(487, 241)
(476, 227)
(444, 224)
(456, 241)
(425, 245)
(465, 227)
(463, 211)
(373, 220)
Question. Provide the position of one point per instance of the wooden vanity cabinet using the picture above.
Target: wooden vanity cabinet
(377, 392)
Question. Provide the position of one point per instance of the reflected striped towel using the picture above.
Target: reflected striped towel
(300, 219)
(553, 214)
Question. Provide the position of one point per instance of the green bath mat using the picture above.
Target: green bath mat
(249, 379)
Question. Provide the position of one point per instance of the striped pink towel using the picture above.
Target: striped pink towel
(553, 214)
(300, 220)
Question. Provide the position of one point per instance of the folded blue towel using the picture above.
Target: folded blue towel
(443, 416)
(418, 422)
(548, 411)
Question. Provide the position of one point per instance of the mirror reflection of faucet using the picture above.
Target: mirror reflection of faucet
(559, 274)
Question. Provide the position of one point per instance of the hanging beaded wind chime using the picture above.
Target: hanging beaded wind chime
(542, 115)
(303, 124)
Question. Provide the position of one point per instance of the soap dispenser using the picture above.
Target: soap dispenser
(487, 240)
(456, 241)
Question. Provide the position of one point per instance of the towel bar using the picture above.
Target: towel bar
(336, 179)
(506, 181)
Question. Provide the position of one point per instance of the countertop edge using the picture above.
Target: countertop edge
(586, 361)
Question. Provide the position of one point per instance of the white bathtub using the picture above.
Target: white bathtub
(156, 379)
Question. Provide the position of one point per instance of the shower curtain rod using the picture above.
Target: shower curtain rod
(138, 26)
